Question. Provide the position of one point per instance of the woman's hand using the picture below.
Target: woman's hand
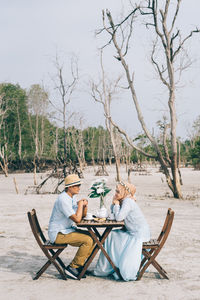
(115, 202)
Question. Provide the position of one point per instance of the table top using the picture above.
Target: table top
(106, 223)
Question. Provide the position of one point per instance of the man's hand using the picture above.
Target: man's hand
(82, 206)
(85, 207)
(81, 211)
(83, 202)
(80, 203)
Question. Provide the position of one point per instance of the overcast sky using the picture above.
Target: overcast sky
(33, 31)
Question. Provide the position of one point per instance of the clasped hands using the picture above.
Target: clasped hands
(83, 202)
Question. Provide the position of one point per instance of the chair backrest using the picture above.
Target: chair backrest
(36, 229)
(166, 227)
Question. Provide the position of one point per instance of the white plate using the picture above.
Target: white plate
(111, 219)
(88, 219)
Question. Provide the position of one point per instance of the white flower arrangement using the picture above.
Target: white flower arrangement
(99, 188)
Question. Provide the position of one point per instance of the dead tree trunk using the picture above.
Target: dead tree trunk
(4, 158)
(171, 44)
(65, 90)
(103, 93)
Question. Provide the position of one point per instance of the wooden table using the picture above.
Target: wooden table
(92, 227)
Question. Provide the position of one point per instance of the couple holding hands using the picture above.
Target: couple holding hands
(124, 246)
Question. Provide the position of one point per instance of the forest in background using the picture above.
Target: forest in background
(30, 138)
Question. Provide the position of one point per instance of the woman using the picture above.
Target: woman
(124, 246)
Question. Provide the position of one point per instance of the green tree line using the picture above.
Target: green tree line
(29, 137)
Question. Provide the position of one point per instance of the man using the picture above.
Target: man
(62, 229)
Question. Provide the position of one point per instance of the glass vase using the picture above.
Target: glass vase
(101, 201)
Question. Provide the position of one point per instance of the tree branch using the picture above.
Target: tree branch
(116, 26)
(129, 139)
(184, 40)
(165, 143)
(175, 15)
(158, 67)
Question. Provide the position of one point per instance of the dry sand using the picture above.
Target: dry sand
(20, 256)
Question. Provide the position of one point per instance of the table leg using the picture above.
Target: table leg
(107, 231)
(97, 233)
(95, 250)
(99, 245)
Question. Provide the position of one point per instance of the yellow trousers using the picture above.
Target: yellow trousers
(81, 239)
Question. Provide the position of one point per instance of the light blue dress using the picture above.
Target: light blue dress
(125, 246)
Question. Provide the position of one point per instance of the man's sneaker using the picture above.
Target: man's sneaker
(72, 272)
(80, 269)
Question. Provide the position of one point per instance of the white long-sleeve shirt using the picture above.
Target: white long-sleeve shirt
(133, 217)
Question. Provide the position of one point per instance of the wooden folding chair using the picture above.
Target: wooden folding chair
(151, 248)
(47, 247)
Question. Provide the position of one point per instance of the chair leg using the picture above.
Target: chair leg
(51, 260)
(151, 260)
(160, 269)
(145, 258)
(58, 259)
(159, 266)
(42, 270)
(151, 251)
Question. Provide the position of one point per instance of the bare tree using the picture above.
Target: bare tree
(195, 132)
(91, 143)
(103, 93)
(65, 88)
(19, 130)
(76, 137)
(171, 44)
(4, 158)
(3, 148)
(37, 103)
(126, 154)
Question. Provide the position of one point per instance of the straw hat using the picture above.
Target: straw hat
(71, 180)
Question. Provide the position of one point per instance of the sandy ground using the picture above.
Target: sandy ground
(20, 256)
